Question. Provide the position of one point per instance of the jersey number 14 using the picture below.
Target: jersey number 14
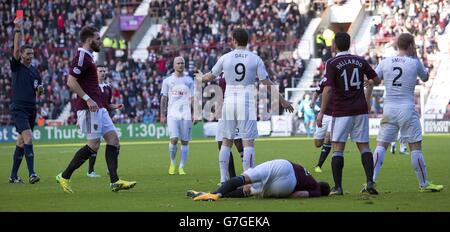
(354, 80)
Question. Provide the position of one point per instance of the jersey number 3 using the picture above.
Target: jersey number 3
(240, 70)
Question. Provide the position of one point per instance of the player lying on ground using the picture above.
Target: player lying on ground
(276, 178)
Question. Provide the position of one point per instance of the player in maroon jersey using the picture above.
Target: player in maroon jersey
(345, 84)
(106, 95)
(92, 117)
(275, 178)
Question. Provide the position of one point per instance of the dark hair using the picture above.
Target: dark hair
(405, 40)
(101, 66)
(324, 188)
(241, 36)
(87, 32)
(342, 41)
(25, 46)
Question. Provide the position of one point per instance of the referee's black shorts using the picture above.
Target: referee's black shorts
(24, 117)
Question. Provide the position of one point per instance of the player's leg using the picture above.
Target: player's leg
(91, 172)
(393, 147)
(307, 123)
(174, 134)
(403, 148)
(387, 134)
(322, 139)
(24, 120)
(85, 119)
(360, 135)
(411, 132)
(249, 132)
(339, 134)
(112, 154)
(17, 160)
(186, 136)
(227, 133)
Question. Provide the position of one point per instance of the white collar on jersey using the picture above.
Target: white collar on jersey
(88, 52)
(103, 85)
(343, 53)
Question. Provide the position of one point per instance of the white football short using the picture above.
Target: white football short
(405, 119)
(326, 127)
(220, 129)
(180, 128)
(275, 178)
(356, 126)
(94, 124)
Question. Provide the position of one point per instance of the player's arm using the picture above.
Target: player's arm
(314, 99)
(75, 87)
(284, 103)
(17, 38)
(422, 72)
(299, 194)
(163, 109)
(204, 77)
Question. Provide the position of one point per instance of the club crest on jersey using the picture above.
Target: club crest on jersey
(76, 70)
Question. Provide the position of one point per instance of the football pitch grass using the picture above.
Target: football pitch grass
(147, 162)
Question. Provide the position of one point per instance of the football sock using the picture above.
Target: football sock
(249, 155)
(337, 164)
(29, 157)
(80, 157)
(419, 166)
(378, 159)
(224, 159)
(17, 160)
(231, 169)
(326, 148)
(367, 162)
(173, 153)
(230, 185)
(112, 157)
(184, 155)
(92, 159)
(237, 193)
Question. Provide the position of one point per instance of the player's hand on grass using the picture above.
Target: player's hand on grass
(93, 107)
(319, 119)
(287, 105)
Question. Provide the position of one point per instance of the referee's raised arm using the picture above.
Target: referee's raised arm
(17, 37)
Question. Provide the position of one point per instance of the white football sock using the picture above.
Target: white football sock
(173, 153)
(419, 166)
(248, 160)
(378, 159)
(224, 160)
(184, 155)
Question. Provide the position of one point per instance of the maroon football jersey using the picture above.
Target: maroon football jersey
(345, 74)
(84, 69)
(106, 92)
(319, 90)
(305, 181)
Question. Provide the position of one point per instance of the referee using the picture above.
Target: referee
(26, 83)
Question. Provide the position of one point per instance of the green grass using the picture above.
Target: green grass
(147, 163)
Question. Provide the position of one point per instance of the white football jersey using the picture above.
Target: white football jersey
(240, 69)
(179, 90)
(400, 76)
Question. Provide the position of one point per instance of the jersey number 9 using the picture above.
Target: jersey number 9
(240, 70)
